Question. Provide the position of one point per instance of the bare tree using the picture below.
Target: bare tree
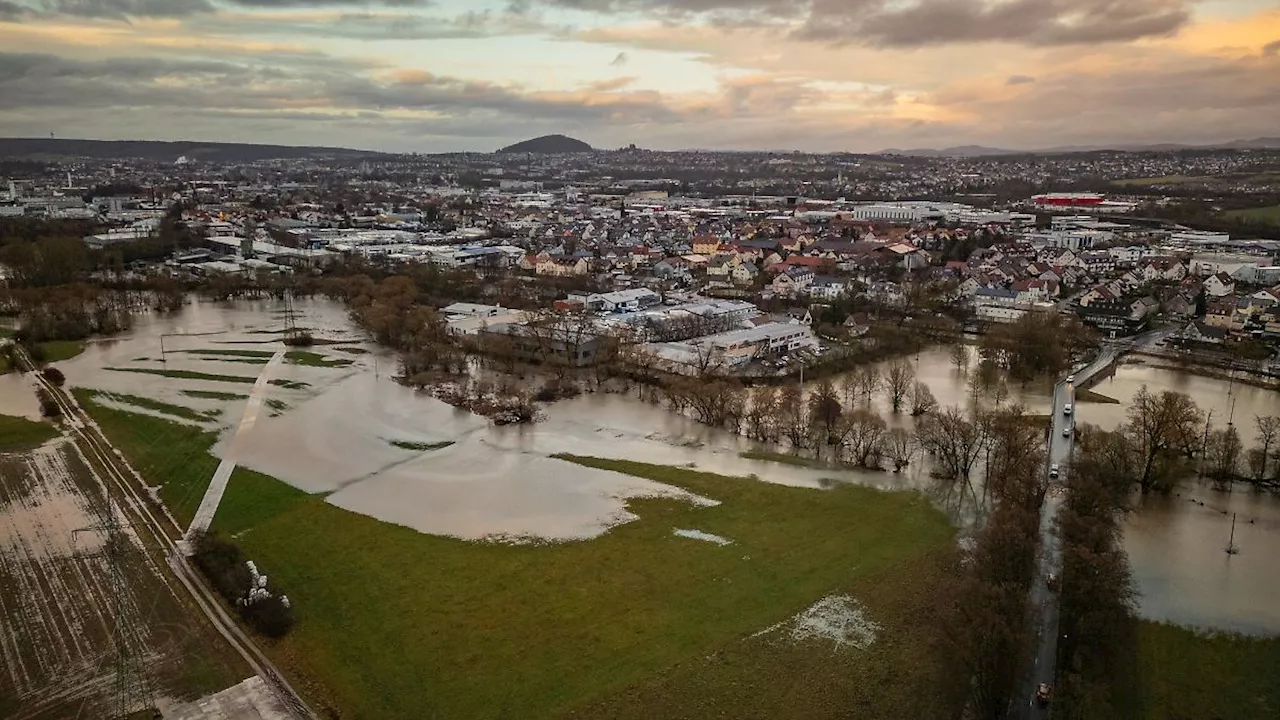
(922, 399)
(959, 355)
(1261, 456)
(864, 437)
(761, 424)
(898, 382)
(954, 441)
(1222, 454)
(860, 385)
(1160, 427)
(825, 411)
(793, 421)
(899, 447)
(1001, 392)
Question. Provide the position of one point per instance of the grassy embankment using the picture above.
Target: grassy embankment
(1090, 396)
(17, 434)
(1180, 673)
(214, 395)
(420, 446)
(59, 350)
(1269, 215)
(394, 623)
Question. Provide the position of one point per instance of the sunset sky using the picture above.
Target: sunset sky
(444, 75)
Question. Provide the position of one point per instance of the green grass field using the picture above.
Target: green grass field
(262, 354)
(59, 350)
(1269, 215)
(465, 629)
(1184, 674)
(214, 395)
(18, 434)
(174, 456)
(177, 411)
(188, 375)
(394, 623)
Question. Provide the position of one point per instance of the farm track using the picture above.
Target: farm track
(157, 530)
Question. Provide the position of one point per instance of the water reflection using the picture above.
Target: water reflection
(336, 438)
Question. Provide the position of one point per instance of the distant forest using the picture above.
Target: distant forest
(51, 148)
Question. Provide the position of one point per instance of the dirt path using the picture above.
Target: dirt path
(218, 486)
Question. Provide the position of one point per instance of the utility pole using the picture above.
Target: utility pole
(1231, 543)
(132, 689)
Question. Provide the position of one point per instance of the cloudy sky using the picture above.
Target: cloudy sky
(442, 75)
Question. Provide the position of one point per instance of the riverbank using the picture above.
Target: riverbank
(1163, 362)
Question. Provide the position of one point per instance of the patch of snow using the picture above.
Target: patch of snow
(838, 618)
(704, 536)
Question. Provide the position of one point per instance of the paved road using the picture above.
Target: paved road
(1044, 602)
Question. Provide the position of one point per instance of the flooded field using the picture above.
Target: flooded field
(332, 431)
(90, 624)
(18, 397)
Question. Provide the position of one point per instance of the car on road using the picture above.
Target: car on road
(1071, 379)
(1054, 470)
(1066, 409)
(1066, 431)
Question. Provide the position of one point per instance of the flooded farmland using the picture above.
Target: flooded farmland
(333, 432)
(92, 627)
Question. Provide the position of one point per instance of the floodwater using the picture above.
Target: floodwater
(1177, 544)
(501, 482)
(18, 396)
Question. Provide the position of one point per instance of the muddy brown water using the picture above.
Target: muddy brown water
(501, 481)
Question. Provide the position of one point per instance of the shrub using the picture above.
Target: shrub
(54, 375)
(49, 406)
(225, 565)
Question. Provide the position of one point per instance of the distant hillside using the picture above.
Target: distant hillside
(548, 144)
(1262, 143)
(47, 148)
(961, 151)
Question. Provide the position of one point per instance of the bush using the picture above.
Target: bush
(224, 564)
(49, 406)
(54, 375)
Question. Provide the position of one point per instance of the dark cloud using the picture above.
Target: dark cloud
(619, 60)
(178, 8)
(928, 22)
(1271, 48)
(1034, 22)
(266, 4)
(12, 11)
(32, 81)
(124, 8)
(381, 26)
(1019, 80)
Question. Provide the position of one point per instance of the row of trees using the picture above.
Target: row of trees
(1167, 437)
(988, 628)
(1037, 344)
(1097, 595)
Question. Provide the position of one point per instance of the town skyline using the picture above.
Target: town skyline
(818, 76)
